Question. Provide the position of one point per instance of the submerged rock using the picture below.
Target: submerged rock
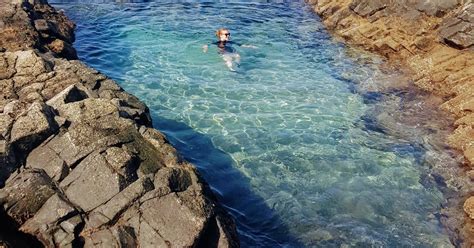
(80, 163)
(469, 207)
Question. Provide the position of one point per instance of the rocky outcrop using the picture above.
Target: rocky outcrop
(35, 24)
(81, 164)
(457, 30)
(434, 40)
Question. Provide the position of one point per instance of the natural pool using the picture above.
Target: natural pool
(305, 144)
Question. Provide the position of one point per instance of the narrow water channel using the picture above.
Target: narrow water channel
(305, 143)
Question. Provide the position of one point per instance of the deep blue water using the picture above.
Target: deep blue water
(305, 144)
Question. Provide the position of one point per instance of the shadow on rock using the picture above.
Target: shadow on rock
(256, 222)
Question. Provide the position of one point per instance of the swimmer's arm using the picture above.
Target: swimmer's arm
(204, 48)
(243, 45)
(248, 46)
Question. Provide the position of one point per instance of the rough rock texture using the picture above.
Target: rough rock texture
(35, 24)
(80, 164)
(434, 39)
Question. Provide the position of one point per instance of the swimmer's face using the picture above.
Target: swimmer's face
(224, 35)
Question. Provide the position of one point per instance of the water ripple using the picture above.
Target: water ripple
(306, 145)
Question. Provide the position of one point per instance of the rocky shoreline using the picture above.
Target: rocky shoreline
(81, 164)
(434, 41)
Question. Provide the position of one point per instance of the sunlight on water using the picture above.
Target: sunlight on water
(305, 161)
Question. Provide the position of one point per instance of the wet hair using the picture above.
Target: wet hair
(220, 30)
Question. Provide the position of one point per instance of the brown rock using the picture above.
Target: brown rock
(6, 123)
(7, 66)
(29, 64)
(368, 7)
(63, 49)
(42, 25)
(458, 31)
(437, 7)
(469, 207)
(73, 93)
(469, 153)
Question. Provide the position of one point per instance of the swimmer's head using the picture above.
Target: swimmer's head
(223, 34)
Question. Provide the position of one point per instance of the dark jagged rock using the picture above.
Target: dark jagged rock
(437, 7)
(366, 8)
(26, 193)
(80, 163)
(45, 222)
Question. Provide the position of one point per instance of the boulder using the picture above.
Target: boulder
(63, 49)
(46, 159)
(469, 207)
(83, 138)
(42, 25)
(53, 211)
(437, 7)
(73, 93)
(132, 108)
(87, 110)
(28, 63)
(123, 161)
(126, 237)
(167, 154)
(458, 30)
(32, 128)
(173, 220)
(109, 211)
(17, 27)
(149, 237)
(92, 183)
(26, 193)
(368, 7)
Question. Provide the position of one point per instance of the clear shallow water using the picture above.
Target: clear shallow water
(301, 144)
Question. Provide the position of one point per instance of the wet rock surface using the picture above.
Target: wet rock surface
(80, 164)
(434, 40)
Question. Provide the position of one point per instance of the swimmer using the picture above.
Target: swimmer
(224, 44)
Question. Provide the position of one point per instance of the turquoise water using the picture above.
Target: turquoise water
(305, 144)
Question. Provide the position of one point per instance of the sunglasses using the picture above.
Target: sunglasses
(228, 34)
